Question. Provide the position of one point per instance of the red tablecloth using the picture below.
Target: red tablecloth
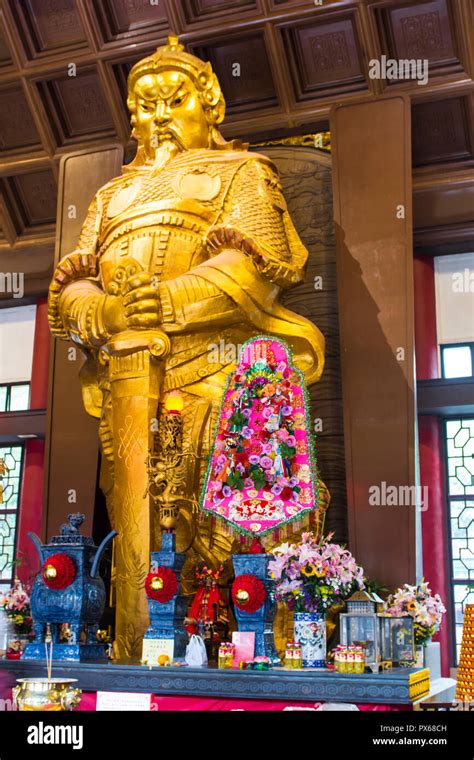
(165, 703)
(192, 703)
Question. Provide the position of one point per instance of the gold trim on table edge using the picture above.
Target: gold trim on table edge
(419, 684)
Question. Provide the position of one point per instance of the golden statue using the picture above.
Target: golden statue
(188, 249)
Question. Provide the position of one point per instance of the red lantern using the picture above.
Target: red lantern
(248, 593)
(161, 585)
(58, 571)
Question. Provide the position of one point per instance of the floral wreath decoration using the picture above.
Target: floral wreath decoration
(161, 585)
(248, 593)
(58, 571)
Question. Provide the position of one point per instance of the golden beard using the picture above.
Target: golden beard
(164, 152)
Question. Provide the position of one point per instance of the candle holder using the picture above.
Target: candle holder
(167, 465)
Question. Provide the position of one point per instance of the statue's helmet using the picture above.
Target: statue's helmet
(173, 57)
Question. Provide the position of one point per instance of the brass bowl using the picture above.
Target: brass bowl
(57, 694)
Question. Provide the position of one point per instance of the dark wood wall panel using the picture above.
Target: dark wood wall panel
(441, 131)
(325, 56)
(48, 26)
(421, 30)
(78, 108)
(206, 11)
(443, 213)
(37, 193)
(118, 19)
(5, 56)
(17, 126)
(253, 87)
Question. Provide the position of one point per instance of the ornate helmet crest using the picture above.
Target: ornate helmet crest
(173, 56)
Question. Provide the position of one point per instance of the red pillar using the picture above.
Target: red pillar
(434, 537)
(433, 520)
(39, 371)
(30, 508)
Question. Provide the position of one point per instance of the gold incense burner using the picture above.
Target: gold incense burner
(43, 694)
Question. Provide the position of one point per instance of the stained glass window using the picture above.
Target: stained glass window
(460, 460)
(11, 462)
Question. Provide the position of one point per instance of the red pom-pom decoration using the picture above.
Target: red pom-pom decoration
(58, 571)
(161, 585)
(248, 593)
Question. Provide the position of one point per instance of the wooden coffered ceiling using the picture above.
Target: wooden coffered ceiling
(296, 60)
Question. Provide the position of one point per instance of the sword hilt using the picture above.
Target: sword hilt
(129, 341)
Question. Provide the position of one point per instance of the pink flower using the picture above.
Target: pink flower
(283, 549)
(307, 554)
(293, 570)
(418, 602)
(276, 567)
(286, 587)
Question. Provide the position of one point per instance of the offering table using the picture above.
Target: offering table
(399, 687)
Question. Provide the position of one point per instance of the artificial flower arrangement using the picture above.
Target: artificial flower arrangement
(262, 473)
(419, 602)
(16, 603)
(315, 574)
(15, 650)
(264, 453)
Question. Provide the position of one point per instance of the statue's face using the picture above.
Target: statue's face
(168, 108)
